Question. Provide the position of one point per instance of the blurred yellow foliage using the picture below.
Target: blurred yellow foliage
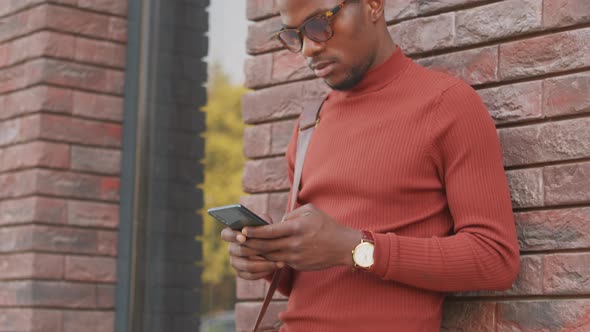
(224, 162)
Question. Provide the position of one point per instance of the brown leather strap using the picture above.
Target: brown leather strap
(307, 123)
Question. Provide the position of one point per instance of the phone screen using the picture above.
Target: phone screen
(236, 216)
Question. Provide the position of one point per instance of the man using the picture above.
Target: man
(404, 170)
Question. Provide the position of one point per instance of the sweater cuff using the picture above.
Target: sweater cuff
(384, 254)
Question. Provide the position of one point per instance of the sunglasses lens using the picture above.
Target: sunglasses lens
(291, 40)
(318, 29)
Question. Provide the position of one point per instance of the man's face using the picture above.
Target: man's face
(343, 60)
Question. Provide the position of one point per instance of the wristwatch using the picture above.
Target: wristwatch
(362, 255)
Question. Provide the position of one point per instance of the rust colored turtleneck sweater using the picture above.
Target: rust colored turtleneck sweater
(411, 155)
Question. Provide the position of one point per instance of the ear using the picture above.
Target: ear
(376, 9)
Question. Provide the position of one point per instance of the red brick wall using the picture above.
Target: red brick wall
(530, 62)
(61, 85)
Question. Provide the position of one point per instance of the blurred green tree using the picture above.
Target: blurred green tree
(224, 162)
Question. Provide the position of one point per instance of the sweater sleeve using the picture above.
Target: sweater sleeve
(482, 253)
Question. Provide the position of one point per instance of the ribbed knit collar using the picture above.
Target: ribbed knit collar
(377, 78)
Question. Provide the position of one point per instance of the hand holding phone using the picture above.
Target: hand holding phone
(236, 216)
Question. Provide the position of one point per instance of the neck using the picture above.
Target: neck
(385, 48)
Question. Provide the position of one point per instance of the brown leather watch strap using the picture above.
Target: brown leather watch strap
(307, 123)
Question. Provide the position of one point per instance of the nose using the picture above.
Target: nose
(311, 48)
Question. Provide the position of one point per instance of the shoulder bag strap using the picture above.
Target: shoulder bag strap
(307, 123)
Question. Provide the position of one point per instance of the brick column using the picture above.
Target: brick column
(530, 62)
(61, 84)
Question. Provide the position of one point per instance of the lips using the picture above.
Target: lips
(323, 69)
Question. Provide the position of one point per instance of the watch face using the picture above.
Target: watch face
(363, 255)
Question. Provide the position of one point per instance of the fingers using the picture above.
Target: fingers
(302, 211)
(252, 268)
(242, 251)
(231, 236)
(266, 246)
(271, 231)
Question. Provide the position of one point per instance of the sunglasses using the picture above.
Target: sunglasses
(317, 28)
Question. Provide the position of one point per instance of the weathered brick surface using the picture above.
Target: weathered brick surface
(559, 13)
(476, 66)
(425, 34)
(259, 9)
(543, 315)
(553, 229)
(526, 187)
(498, 20)
(553, 141)
(567, 184)
(61, 82)
(246, 315)
(515, 102)
(567, 95)
(476, 317)
(264, 175)
(260, 36)
(547, 54)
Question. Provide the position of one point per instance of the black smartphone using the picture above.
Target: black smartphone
(236, 216)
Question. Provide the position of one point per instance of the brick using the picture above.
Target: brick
(76, 75)
(543, 315)
(18, 183)
(100, 52)
(257, 141)
(526, 187)
(433, 6)
(281, 101)
(83, 22)
(567, 184)
(91, 269)
(246, 315)
(260, 35)
(108, 6)
(30, 320)
(400, 9)
(256, 203)
(250, 289)
(566, 95)
(29, 265)
(104, 161)
(281, 136)
(258, 71)
(96, 106)
(289, 66)
(553, 141)
(515, 102)
(105, 296)
(425, 34)
(472, 317)
(277, 205)
(88, 321)
(92, 214)
(77, 185)
(476, 66)
(23, 23)
(566, 273)
(32, 209)
(34, 154)
(559, 13)
(13, 6)
(498, 20)
(19, 130)
(553, 229)
(64, 240)
(260, 9)
(547, 54)
(48, 293)
(107, 243)
(36, 99)
(43, 43)
(73, 130)
(265, 175)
